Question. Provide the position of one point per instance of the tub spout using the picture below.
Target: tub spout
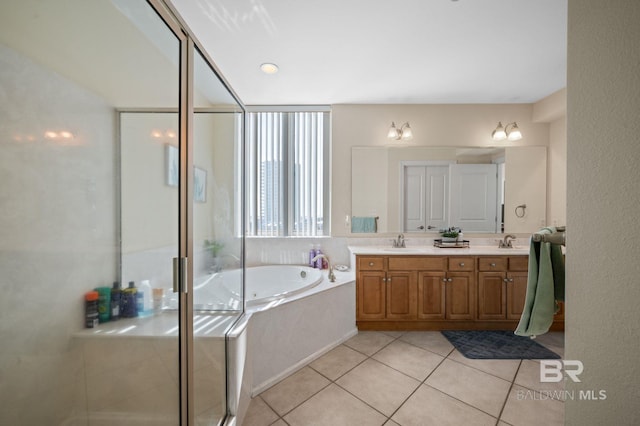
(332, 276)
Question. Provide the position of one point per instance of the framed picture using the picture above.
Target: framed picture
(171, 167)
(199, 185)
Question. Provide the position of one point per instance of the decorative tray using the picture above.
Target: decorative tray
(452, 244)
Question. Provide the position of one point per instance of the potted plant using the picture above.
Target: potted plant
(451, 235)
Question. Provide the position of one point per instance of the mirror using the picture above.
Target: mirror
(382, 188)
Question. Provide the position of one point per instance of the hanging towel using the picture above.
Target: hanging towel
(364, 224)
(545, 285)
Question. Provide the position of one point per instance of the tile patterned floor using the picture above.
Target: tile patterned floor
(411, 378)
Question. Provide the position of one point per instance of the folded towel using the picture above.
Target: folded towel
(364, 224)
(545, 285)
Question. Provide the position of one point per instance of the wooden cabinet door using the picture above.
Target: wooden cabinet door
(431, 295)
(460, 296)
(401, 295)
(516, 293)
(371, 295)
(492, 296)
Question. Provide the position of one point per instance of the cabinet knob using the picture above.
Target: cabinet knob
(388, 280)
(506, 280)
(450, 280)
(510, 280)
(492, 265)
(370, 263)
(444, 280)
(461, 264)
(384, 280)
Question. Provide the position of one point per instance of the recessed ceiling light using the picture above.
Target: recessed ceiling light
(269, 68)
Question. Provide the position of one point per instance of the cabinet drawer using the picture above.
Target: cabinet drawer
(492, 264)
(370, 263)
(422, 263)
(461, 263)
(518, 263)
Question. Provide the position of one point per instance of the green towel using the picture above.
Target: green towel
(545, 285)
(364, 224)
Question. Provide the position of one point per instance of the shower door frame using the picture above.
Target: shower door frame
(185, 216)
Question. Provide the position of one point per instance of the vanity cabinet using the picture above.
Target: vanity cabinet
(502, 286)
(433, 292)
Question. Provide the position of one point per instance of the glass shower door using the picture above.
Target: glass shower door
(84, 205)
(217, 236)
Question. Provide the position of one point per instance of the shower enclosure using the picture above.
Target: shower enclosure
(121, 156)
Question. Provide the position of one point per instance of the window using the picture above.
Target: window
(288, 172)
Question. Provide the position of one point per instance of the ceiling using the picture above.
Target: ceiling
(384, 52)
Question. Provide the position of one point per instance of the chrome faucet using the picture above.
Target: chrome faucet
(507, 242)
(332, 276)
(399, 242)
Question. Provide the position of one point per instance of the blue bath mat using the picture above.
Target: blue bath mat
(497, 344)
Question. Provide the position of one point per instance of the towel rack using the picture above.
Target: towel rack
(559, 237)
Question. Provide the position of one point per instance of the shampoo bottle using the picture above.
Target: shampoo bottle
(320, 260)
(312, 254)
(116, 296)
(129, 306)
(104, 303)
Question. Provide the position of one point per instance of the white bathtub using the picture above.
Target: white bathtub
(222, 290)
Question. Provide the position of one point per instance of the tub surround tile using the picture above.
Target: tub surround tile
(433, 341)
(428, 406)
(380, 386)
(474, 387)
(294, 390)
(337, 362)
(408, 359)
(369, 342)
(334, 406)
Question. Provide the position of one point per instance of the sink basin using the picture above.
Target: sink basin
(512, 248)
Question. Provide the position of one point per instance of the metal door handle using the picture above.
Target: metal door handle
(421, 227)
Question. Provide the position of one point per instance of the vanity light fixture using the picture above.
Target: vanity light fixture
(501, 133)
(403, 133)
(269, 68)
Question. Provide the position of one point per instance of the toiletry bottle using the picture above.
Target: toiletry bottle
(144, 299)
(91, 309)
(319, 261)
(116, 296)
(104, 303)
(129, 305)
(158, 296)
(312, 254)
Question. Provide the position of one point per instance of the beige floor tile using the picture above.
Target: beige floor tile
(526, 409)
(391, 423)
(334, 406)
(380, 386)
(394, 334)
(529, 377)
(503, 368)
(476, 388)
(433, 341)
(411, 360)
(338, 361)
(428, 406)
(279, 423)
(369, 342)
(554, 341)
(259, 414)
(294, 390)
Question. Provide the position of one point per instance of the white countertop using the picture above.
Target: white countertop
(435, 251)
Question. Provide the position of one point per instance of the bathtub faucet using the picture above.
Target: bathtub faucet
(332, 276)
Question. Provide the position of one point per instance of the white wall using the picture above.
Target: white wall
(57, 239)
(603, 181)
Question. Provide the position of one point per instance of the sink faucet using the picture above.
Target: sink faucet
(507, 241)
(399, 242)
(332, 276)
